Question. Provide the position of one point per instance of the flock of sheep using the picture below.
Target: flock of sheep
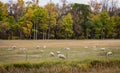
(58, 53)
(52, 54)
(107, 53)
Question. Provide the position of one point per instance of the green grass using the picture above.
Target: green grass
(79, 60)
(34, 55)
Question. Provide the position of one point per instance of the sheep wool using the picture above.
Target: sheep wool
(61, 56)
(109, 53)
(52, 54)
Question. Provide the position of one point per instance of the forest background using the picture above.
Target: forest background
(29, 20)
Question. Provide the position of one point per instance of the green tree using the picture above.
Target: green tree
(52, 18)
(13, 28)
(4, 28)
(80, 14)
(103, 25)
(28, 16)
(27, 29)
(40, 20)
(117, 26)
(3, 11)
(67, 26)
(1, 14)
(108, 25)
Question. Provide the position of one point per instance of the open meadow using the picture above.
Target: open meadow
(80, 56)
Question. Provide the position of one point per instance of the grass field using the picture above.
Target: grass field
(80, 50)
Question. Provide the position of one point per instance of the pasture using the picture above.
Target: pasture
(34, 51)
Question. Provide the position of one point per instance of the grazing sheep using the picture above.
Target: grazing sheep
(41, 51)
(13, 47)
(52, 54)
(61, 56)
(44, 46)
(86, 47)
(109, 53)
(58, 52)
(37, 47)
(102, 49)
(67, 48)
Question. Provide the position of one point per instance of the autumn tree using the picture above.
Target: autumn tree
(40, 20)
(1, 11)
(28, 20)
(80, 14)
(4, 26)
(52, 19)
(117, 26)
(67, 26)
(27, 29)
(103, 25)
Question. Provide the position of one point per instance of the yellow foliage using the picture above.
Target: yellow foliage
(27, 29)
(5, 12)
(52, 13)
(21, 2)
(29, 14)
(1, 4)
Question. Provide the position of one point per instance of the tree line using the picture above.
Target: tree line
(28, 20)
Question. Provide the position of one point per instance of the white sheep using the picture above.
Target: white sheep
(61, 56)
(86, 47)
(109, 53)
(52, 54)
(58, 52)
(67, 48)
(13, 47)
(102, 49)
(37, 47)
(44, 46)
(41, 51)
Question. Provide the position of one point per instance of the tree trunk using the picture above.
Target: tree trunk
(21, 34)
(43, 34)
(12, 35)
(34, 32)
(49, 32)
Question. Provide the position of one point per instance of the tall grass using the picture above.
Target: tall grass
(62, 66)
